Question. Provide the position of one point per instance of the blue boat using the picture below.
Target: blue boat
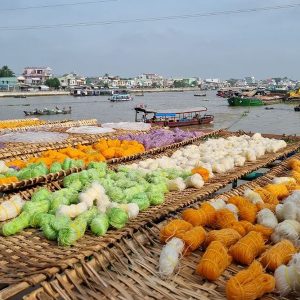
(120, 96)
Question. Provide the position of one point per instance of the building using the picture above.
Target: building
(8, 83)
(37, 75)
(71, 80)
(250, 80)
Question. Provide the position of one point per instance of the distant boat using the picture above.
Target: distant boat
(20, 96)
(200, 95)
(297, 108)
(120, 96)
(46, 111)
(244, 101)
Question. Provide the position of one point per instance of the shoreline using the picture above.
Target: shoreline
(67, 93)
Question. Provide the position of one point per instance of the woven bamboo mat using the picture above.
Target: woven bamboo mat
(28, 258)
(52, 124)
(13, 150)
(129, 270)
(166, 150)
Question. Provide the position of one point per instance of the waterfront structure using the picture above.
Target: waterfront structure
(36, 75)
(8, 83)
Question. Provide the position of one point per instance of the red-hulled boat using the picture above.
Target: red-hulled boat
(173, 117)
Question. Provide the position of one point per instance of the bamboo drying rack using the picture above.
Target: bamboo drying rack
(166, 150)
(129, 269)
(28, 258)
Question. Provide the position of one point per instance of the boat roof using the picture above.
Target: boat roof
(172, 111)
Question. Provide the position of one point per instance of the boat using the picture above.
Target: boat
(120, 96)
(244, 101)
(139, 94)
(200, 95)
(173, 117)
(20, 96)
(46, 111)
(297, 108)
(268, 108)
(294, 95)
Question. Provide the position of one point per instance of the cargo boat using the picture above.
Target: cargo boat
(244, 101)
(173, 117)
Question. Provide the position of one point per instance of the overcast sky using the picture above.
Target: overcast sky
(261, 44)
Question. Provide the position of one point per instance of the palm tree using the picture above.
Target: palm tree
(5, 71)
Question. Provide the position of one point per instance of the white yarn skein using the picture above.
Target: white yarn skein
(267, 218)
(287, 278)
(169, 256)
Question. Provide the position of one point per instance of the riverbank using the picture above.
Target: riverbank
(66, 93)
(158, 90)
(33, 94)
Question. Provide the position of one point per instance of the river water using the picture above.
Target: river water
(281, 119)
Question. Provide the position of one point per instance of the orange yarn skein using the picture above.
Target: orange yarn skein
(205, 215)
(174, 228)
(261, 206)
(296, 175)
(193, 239)
(214, 261)
(226, 236)
(224, 218)
(279, 190)
(265, 231)
(267, 196)
(250, 284)
(278, 254)
(247, 210)
(294, 164)
(247, 248)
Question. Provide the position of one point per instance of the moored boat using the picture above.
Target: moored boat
(174, 117)
(20, 96)
(244, 101)
(46, 111)
(200, 95)
(294, 95)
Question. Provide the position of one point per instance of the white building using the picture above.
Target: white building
(71, 80)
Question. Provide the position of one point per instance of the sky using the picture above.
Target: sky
(262, 44)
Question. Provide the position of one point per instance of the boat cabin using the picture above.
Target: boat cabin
(174, 117)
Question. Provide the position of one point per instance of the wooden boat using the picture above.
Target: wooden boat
(46, 111)
(244, 101)
(200, 95)
(20, 96)
(173, 117)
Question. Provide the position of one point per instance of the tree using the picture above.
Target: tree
(5, 71)
(155, 85)
(180, 84)
(194, 83)
(53, 83)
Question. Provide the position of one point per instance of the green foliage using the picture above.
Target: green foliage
(53, 83)
(5, 71)
(180, 84)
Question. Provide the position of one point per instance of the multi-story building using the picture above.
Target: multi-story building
(37, 75)
(71, 80)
